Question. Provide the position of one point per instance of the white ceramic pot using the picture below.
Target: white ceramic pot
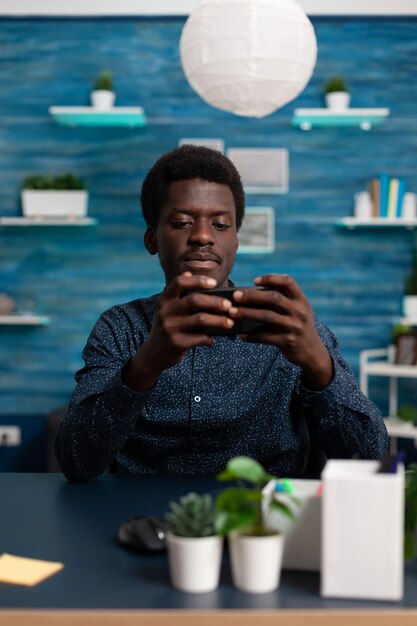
(337, 100)
(52, 203)
(410, 306)
(256, 562)
(102, 99)
(194, 562)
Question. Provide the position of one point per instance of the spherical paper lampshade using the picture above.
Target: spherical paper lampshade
(249, 57)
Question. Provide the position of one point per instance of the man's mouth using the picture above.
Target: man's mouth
(200, 260)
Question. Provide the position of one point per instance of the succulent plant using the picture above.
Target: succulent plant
(337, 83)
(192, 516)
(67, 181)
(104, 81)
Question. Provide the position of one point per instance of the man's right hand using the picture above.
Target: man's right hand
(178, 325)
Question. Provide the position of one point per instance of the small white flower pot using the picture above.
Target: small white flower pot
(256, 562)
(52, 203)
(337, 100)
(410, 306)
(194, 562)
(102, 99)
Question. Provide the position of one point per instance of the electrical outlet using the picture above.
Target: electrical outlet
(10, 436)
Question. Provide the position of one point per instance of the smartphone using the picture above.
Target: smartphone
(241, 327)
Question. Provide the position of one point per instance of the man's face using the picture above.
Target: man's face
(196, 231)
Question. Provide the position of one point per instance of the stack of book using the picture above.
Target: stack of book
(387, 196)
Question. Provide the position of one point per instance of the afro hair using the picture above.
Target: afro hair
(186, 163)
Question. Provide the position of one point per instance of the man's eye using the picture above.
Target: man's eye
(180, 225)
(219, 226)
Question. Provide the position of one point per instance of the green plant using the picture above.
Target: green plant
(240, 508)
(104, 81)
(337, 83)
(410, 516)
(67, 181)
(192, 516)
(408, 413)
(400, 329)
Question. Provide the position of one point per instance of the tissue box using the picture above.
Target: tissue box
(302, 545)
(362, 531)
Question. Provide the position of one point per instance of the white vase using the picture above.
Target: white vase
(337, 100)
(410, 306)
(256, 561)
(194, 562)
(54, 203)
(102, 99)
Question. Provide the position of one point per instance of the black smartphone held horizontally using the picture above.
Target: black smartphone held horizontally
(241, 326)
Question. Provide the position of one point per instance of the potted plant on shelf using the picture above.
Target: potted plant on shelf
(409, 304)
(336, 94)
(194, 550)
(255, 549)
(48, 196)
(103, 97)
(407, 413)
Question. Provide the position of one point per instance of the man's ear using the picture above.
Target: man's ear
(150, 241)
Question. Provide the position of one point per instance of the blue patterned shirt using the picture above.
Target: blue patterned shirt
(233, 398)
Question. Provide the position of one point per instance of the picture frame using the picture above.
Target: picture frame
(257, 233)
(406, 349)
(262, 170)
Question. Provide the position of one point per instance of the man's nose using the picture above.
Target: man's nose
(201, 233)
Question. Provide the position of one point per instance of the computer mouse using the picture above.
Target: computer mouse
(144, 534)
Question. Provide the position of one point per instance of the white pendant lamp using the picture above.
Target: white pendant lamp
(249, 57)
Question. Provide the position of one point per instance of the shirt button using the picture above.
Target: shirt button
(197, 398)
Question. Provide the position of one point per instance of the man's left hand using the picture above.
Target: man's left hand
(288, 317)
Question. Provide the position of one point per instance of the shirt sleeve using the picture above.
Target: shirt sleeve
(348, 423)
(103, 411)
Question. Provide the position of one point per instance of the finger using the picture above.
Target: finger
(285, 283)
(264, 299)
(187, 282)
(202, 320)
(267, 317)
(198, 301)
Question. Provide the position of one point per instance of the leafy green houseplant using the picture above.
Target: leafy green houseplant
(255, 549)
(49, 196)
(194, 550)
(103, 96)
(336, 93)
(407, 413)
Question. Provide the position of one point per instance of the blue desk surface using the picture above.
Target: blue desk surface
(43, 516)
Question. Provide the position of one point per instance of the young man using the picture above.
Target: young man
(159, 394)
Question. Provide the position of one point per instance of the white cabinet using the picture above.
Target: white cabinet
(378, 363)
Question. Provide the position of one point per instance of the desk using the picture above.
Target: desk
(43, 516)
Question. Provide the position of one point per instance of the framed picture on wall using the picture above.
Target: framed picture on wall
(406, 349)
(257, 233)
(263, 170)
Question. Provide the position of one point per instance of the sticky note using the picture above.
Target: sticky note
(17, 570)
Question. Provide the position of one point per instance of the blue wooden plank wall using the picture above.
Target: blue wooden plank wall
(355, 280)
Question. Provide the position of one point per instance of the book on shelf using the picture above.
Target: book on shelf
(387, 194)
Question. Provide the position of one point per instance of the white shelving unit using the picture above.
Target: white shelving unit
(376, 363)
(47, 221)
(24, 320)
(377, 222)
(363, 118)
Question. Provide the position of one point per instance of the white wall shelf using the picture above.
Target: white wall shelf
(377, 222)
(408, 321)
(306, 119)
(131, 117)
(47, 221)
(375, 363)
(24, 320)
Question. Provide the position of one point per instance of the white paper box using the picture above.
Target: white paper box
(302, 546)
(54, 203)
(362, 531)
